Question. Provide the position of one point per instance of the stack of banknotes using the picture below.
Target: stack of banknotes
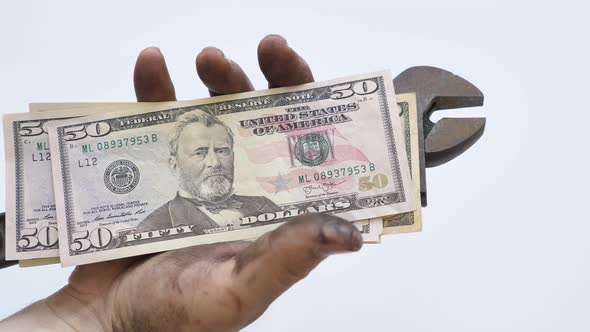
(89, 182)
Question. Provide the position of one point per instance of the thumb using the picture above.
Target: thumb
(278, 259)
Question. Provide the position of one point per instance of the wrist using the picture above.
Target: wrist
(36, 317)
(61, 311)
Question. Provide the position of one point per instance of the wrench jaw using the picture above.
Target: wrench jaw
(450, 137)
(438, 89)
(446, 139)
(438, 103)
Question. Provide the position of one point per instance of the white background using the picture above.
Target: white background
(505, 242)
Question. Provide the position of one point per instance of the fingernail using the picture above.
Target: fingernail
(283, 39)
(338, 230)
(152, 49)
(213, 50)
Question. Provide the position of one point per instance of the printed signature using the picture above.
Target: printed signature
(119, 215)
(325, 187)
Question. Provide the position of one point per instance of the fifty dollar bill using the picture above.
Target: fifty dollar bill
(124, 188)
(409, 221)
(31, 224)
(34, 233)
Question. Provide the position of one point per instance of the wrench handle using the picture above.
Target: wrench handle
(3, 262)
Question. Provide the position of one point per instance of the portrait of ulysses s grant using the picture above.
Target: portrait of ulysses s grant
(202, 159)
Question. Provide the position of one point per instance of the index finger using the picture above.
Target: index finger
(280, 64)
(151, 78)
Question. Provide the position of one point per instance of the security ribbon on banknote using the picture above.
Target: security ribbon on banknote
(227, 168)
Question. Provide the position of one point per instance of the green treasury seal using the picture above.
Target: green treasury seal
(312, 149)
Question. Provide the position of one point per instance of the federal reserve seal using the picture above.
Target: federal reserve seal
(121, 176)
(312, 149)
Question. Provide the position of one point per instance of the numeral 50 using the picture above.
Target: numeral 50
(34, 128)
(97, 129)
(378, 181)
(349, 89)
(32, 237)
(99, 238)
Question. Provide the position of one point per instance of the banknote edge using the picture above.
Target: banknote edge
(411, 130)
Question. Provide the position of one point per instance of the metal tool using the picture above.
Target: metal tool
(3, 263)
(440, 142)
(438, 89)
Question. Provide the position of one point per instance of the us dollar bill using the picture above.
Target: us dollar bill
(409, 221)
(408, 115)
(34, 262)
(31, 224)
(227, 168)
(371, 229)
